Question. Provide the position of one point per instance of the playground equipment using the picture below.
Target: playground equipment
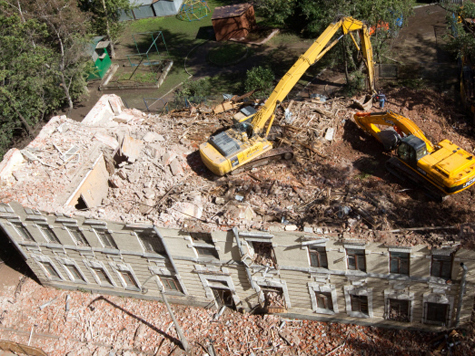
(152, 56)
(193, 10)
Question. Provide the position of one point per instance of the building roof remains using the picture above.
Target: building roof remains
(128, 166)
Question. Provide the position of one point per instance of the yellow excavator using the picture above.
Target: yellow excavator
(440, 170)
(247, 139)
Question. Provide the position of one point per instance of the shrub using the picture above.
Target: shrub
(259, 78)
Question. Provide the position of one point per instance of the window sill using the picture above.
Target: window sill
(174, 293)
(79, 281)
(357, 272)
(324, 311)
(106, 286)
(358, 315)
(28, 243)
(133, 289)
(110, 251)
(154, 255)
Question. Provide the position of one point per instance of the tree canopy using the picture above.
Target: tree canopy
(42, 63)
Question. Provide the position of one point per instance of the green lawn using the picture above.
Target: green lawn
(180, 37)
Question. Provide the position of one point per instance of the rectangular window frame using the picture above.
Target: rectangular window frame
(398, 260)
(361, 303)
(48, 233)
(47, 267)
(77, 236)
(359, 258)
(99, 281)
(22, 231)
(169, 281)
(130, 278)
(441, 266)
(318, 256)
(394, 303)
(324, 301)
(147, 240)
(105, 238)
(430, 309)
(72, 277)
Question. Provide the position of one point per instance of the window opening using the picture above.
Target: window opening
(359, 303)
(224, 297)
(77, 236)
(441, 266)
(151, 242)
(356, 260)
(318, 257)
(398, 310)
(22, 231)
(204, 239)
(170, 284)
(51, 271)
(264, 254)
(74, 271)
(437, 312)
(102, 276)
(48, 233)
(324, 300)
(399, 262)
(81, 204)
(129, 279)
(106, 238)
(274, 297)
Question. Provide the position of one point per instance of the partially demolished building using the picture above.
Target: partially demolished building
(118, 205)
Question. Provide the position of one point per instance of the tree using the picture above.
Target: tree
(106, 16)
(461, 34)
(311, 18)
(27, 91)
(259, 78)
(69, 37)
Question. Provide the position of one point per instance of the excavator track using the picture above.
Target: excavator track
(407, 175)
(272, 155)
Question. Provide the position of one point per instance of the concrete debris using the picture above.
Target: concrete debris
(329, 186)
(111, 325)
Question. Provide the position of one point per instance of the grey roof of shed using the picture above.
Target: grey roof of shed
(223, 12)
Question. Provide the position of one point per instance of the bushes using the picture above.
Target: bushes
(259, 78)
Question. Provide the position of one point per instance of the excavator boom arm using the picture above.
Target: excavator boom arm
(368, 121)
(312, 55)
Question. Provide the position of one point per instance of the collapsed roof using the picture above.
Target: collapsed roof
(128, 166)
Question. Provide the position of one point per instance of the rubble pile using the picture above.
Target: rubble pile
(75, 323)
(336, 183)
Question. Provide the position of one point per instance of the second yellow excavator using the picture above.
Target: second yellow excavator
(247, 139)
(441, 169)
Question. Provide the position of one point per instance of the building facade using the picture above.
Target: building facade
(306, 275)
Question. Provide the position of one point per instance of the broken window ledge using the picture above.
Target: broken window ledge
(399, 275)
(79, 248)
